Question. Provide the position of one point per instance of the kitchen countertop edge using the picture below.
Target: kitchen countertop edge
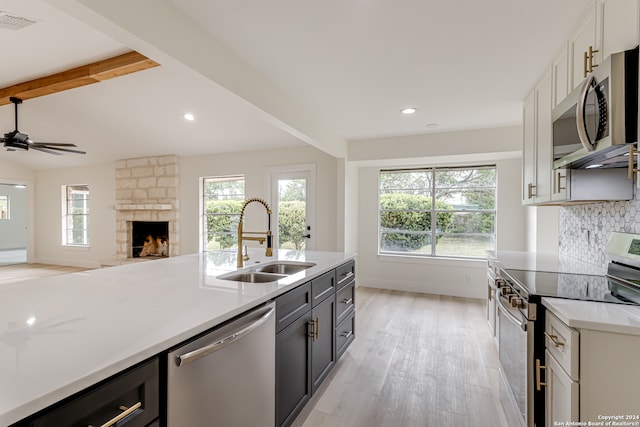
(597, 316)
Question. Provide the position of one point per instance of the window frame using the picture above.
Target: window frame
(69, 216)
(432, 191)
(204, 234)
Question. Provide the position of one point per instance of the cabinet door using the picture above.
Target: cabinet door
(293, 370)
(562, 394)
(323, 354)
(584, 36)
(619, 19)
(560, 77)
(529, 150)
(544, 143)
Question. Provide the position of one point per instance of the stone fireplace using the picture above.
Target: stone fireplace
(147, 207)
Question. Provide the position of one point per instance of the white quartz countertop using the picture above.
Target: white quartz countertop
(540, 261)
(599, 316)
(61, 334)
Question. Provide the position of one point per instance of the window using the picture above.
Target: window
(4, 207)
(447, 212)
(222, 201)
(75, 215)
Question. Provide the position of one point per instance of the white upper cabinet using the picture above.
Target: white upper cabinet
(529, 150)
(537, 149)
(560, 76)
(608, 26)
(619, 25)
(582, 46)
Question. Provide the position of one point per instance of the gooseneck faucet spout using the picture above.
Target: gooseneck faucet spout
(242, 235)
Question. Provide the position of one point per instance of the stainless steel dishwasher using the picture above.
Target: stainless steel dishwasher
(227, 377)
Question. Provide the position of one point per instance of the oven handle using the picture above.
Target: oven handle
(514, 319)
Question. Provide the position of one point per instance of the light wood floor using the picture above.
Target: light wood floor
(418, 360)
(18, 272)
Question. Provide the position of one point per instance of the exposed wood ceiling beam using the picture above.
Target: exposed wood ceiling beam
(106, 69)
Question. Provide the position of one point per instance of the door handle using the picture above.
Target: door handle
(222, 343)
(308, 236)
(539, 368)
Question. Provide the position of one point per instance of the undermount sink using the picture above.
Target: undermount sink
(286, 268)
(252, 277)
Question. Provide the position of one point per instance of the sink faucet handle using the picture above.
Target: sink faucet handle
(246, 253)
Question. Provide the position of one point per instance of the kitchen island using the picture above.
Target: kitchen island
(63, 334)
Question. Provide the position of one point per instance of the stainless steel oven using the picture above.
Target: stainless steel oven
(517, 316)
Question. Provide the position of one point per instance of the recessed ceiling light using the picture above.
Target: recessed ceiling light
(189, 116)
(408, 110)
(431, 125)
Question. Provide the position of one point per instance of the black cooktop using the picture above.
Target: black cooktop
(574, 286)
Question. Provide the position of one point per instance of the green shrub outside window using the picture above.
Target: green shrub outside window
(437, 211)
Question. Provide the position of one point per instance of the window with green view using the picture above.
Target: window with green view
(75, 222)
(446, 212)
(222, 201)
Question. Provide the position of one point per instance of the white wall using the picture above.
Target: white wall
(542, 224)
(13, 230)
(499, 146)
(435, 275)
(102, 222)
(256, 166)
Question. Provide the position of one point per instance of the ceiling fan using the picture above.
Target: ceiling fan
(17, 140)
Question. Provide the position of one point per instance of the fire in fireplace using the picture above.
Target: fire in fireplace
(149, 238)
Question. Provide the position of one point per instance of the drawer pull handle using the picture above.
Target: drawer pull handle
(539, 382)
(121, 416)
(554, 339)
(347, 334)
(348, 301)
(346, 275)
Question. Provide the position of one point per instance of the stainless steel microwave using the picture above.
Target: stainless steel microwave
(594, 124)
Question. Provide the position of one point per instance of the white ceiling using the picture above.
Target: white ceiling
(343, 68)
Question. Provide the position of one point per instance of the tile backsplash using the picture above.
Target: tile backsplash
(585, 229)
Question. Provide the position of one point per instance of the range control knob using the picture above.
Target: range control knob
(506, 291)
(516, 302)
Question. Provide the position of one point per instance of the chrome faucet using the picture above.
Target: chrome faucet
(242, 235)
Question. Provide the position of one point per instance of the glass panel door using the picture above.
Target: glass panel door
(292, 209)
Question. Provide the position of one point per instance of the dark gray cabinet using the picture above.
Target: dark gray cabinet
(323, 354)
(293, 369)
(308, 319)
(130, 399)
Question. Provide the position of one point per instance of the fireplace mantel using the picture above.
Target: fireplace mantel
(145, 207)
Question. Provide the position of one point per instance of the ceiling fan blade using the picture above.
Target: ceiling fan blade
(66, 150)
(52, 144)
(45, 150)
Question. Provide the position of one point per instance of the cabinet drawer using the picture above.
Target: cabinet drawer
(322, 287)
(292, 305)
(137, 389)
(345, 334)
(345, 273)
(345, 301)
(562, 342)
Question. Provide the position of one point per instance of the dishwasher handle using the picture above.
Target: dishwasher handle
(222, 343)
